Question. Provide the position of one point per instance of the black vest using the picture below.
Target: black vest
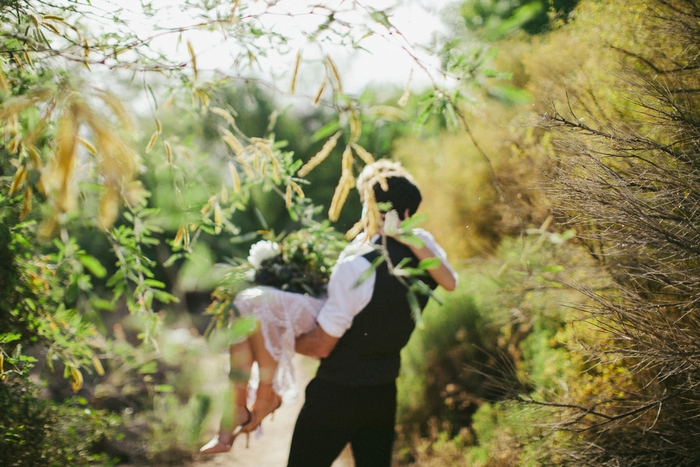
(369, 352)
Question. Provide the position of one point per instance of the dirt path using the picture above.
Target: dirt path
(271, 449)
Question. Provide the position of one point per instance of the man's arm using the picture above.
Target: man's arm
(316, 343)
(346, 298)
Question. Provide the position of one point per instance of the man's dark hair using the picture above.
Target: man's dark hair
(402, 194)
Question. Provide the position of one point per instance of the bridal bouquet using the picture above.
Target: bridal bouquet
(299, 262)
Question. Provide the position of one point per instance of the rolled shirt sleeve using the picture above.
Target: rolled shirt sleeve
(346, 298)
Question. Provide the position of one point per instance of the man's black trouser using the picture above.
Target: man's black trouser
(334, 415)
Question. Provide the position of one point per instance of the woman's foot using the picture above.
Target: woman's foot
(225, 439)
(218, 444)
(266, 402)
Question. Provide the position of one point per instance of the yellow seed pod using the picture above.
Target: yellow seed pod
(152, 142)
(97, 364)
(108, 210)
(340, 196)
(232, 142)
(27, 58)
(320, 156)
(4, 85)
(355, 127)
(288, 197)
(234, 177)
(256, 162)
(223, 113)
(334, 72)
(354, 230)
(388, 112)
(295, 186)
(76, 379)
(2, 364)
(14, 144)
(19, 178)
(364, 154)
(27, 204)
(190, 49)
(180, 235)
(208, 206)
(224, 194)
(217, 218)
(295, 73)
(117, 107)
(50, 26)
(319, 93)
(246, 167)
(87, 145)
(347, 159)
(168, 152)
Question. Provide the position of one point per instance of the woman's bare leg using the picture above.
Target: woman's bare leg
(235, 411)
(266, 400)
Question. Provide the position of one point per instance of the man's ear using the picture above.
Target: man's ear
(406, 214)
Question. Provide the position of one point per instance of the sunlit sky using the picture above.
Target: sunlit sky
(383, 60)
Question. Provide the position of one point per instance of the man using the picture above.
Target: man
(361, 330)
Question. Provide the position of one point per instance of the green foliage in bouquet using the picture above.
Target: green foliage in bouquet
(300, 261)
(304, 261)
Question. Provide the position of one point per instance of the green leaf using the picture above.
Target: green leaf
(430, 263)
(154, 283)
(411, 240)
(368, 273)
(414, 221)
(415, 308)
(326, 131)
(101, 304)
(149, 368)
(510, 95)
(9, 337)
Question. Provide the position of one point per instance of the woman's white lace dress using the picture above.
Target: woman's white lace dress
(282, 316)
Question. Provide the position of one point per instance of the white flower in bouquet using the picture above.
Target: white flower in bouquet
(262, 250)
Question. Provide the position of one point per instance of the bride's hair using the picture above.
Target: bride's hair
(391, 183)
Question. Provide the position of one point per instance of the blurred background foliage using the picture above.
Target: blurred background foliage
(559, 173)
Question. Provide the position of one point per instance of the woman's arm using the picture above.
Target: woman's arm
(443, 275)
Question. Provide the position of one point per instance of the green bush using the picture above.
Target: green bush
(36, 432)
